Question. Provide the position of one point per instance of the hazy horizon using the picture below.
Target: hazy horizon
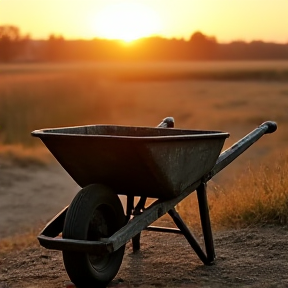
(128, 20)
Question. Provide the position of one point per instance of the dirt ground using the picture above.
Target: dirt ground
(254, 257)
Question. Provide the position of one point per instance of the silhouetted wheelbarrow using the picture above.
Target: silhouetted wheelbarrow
(108, 161)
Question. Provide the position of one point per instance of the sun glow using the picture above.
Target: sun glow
(126, 21)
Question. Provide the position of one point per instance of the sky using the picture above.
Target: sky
(227, 20)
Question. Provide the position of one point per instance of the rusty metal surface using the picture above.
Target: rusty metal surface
(139, 161)
(95, 247)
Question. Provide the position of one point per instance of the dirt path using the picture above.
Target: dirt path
(255, 257)
(32, 194)
(245, 258)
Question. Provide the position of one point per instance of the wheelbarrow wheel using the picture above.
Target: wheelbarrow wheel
(94, 213)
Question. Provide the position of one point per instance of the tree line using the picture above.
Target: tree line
(16, 47)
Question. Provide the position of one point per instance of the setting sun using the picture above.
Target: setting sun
(126, 21)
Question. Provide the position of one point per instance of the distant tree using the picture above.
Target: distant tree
(198, 39)
(11, 33)
(9, 42)
(56, 48)
(202, 46)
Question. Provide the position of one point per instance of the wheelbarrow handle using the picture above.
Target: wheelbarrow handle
(269, 127)
(227, 156)
(167, 122)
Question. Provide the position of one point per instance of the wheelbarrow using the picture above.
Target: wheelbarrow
(106, 161)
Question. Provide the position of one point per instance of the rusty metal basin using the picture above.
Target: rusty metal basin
(138, 161)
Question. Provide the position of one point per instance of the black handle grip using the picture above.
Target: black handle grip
(167, 122)
(270, 126)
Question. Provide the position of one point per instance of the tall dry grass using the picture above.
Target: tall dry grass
(21, 156)
(49, 102)
(18, 242)
(33, 97)
(258, 197)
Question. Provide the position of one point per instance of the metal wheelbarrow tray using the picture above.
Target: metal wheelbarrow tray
(107, 160)
(138, 161)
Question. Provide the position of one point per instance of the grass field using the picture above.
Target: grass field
(230, 96)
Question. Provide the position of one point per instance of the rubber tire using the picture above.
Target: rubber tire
(101, 200)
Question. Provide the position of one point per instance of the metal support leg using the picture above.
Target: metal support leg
(129, 207)
(136, 242)
(137, 211)
(205, 222)
(140, 206)
(188, 235)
